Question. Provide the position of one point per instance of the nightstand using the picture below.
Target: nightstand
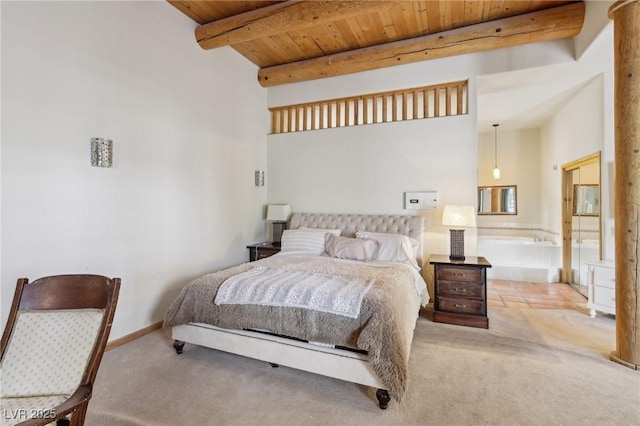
(460, 288)
(261, 250)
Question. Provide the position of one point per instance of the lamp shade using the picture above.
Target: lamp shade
(278, 212)
(464, 216)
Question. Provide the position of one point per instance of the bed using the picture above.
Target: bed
(370, 349)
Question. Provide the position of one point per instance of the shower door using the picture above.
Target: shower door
(581, 218)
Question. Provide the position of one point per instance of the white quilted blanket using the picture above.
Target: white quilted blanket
(297, 289)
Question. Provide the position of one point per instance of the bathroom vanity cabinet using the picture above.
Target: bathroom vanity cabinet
(601, 287)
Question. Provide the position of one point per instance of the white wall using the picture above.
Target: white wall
(576, 131)
(189, 130)
(367, 169)
(519, 164)
(585, 125)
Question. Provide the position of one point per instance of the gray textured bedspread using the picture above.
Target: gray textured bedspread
(384, 327)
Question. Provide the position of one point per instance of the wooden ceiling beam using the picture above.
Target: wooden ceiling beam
(550, 24)
(292, 15)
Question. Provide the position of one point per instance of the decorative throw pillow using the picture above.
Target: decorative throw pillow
(350, 248)
(393, 247)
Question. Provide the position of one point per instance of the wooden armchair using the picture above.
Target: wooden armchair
(52, 346)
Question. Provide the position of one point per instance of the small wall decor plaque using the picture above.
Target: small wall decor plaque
(101, 152)
(259, 177)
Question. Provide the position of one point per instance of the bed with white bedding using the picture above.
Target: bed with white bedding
(341, 307)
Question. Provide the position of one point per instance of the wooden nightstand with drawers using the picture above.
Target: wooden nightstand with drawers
(460, 289)
(261, 250)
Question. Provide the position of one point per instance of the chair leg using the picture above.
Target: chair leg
(77, 418)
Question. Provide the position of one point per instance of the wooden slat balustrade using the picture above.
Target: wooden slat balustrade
(438, 100)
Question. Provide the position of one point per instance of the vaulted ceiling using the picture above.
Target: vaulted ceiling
(294, 41)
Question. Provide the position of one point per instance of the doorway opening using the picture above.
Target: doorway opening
(581, 224)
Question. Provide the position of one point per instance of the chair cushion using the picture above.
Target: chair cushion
(48, 352)
(15, 410)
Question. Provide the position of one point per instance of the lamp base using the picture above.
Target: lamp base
(457, 244)
(278, 229)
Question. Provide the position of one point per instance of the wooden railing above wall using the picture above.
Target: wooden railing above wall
(439, 100)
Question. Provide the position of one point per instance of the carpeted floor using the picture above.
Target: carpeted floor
(532, 367)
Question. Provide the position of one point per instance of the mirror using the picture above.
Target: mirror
(497, 199)
(581, 221)
(586, 200)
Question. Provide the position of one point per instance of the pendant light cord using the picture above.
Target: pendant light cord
(495, 145)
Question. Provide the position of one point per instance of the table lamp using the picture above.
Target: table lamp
(278, 214)
(458, 216)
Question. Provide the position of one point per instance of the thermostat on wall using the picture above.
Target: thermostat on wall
(421, 200)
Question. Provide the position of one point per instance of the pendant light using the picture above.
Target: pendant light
(496, 170)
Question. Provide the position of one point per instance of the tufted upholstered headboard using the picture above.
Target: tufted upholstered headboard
(412, 226)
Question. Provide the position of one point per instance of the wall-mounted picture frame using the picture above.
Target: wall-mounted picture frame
(586, 200)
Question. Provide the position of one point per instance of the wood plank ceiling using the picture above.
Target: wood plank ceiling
(295, 41)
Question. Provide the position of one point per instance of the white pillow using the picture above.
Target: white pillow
(311, 242)
(393, 247)
(336, 232)
(350, 248)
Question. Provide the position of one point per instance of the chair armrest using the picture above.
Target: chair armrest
(79, 397)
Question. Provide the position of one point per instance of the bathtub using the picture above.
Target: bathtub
(521, 258)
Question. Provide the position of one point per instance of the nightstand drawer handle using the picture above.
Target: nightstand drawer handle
(460, 290)
(460, 306)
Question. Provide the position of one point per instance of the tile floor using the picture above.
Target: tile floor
(530, 295)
